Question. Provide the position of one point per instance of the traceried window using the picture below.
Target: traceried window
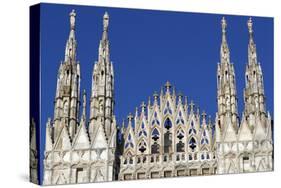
(155, 137)
(142, 132)
(192, 144)
(129, 142)
(180, 119)
(167, 136)
(142, 146)
(155, 120)
(192, 129)
(168, 109)
(180, 144)
(204, 139)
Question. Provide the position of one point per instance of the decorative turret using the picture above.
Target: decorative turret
(254, 98)
(68, 87)
(70, 50)
(102, 98)
(226, 84)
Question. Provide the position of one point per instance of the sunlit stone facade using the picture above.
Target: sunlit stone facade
(77, 151)
(166, 137)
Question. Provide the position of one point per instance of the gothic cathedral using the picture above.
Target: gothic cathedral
(166, 137)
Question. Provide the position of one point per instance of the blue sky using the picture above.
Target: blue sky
(147, 49)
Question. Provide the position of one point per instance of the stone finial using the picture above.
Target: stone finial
(223, 25)
(250, 25)
(204, 115)
(191, 105)
(72, 16)
(155, 95)
(180, 94)
(130, 117)
(168, 85)
(149, 102)
(105, 21)
(143, 106)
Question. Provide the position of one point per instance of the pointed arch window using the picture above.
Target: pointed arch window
(142, 146)
(204, 139)
(168, 108)
(180, 144)
(155, 137)
(142, 131)
(155, 134)
(167, 136)
(180, 119)
(129, 142)
(192, 128)
(192, 144)
(155, 120)
(168, 124)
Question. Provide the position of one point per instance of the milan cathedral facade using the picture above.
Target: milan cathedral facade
(166, 137)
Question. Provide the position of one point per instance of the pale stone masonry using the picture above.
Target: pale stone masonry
(188, 147)
(244, 146)
(33, 154)
(167, 137)
(75, 153)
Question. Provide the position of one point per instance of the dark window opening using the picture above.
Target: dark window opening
(180, 146)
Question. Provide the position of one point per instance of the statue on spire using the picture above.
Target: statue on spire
(72, 16)
(250, 25)
(105, 21)
(223, 25)
(224, 46)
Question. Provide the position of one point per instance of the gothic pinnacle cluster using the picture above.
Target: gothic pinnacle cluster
(166, 137)
(74, 151)
(246, 145)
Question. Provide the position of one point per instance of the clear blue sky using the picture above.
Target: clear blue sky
(147, 49)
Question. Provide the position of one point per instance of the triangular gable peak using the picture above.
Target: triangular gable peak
(99, 139)
(181, 118)
(259, 130)
(81, 139)
(142, 123)
(49, 143)
(155, 119)
(205, 139)
(244, 133)
(193, 124)
(142, 131)
(229, 131)
(168, 106)
(63, 141)
(130, 141)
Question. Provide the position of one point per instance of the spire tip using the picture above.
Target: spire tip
(223, 24)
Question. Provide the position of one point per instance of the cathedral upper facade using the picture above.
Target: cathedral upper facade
(167, 136)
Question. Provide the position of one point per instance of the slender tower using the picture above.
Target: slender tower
(102, 126)
(68, 87)
(254, 97)
(227, 115)
(102, 98)
(256, 123)
(226, 87)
